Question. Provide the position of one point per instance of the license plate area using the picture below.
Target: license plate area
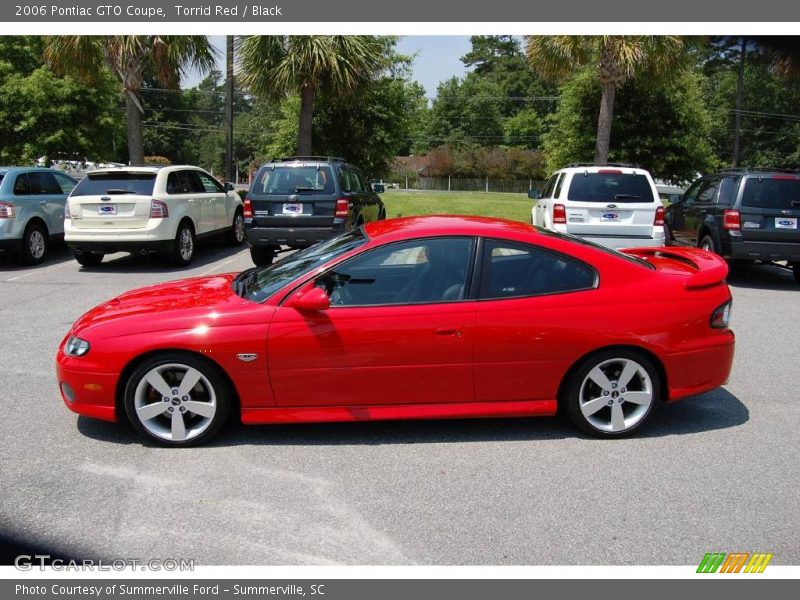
(107, 210)
(610, 216)
(785, 222)
(293, 208)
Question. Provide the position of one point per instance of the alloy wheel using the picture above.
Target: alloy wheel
(616, 395)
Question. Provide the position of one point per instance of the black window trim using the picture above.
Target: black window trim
(595, 284)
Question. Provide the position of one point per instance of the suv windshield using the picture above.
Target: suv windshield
(775, 192)
(283, 180)
(117, 182)
(260, 283)
(610, 187)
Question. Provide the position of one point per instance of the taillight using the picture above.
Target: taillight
(659, 220)
(66, 210)
(158, 209)
(721, 317)
(342, 208)
(730, 220)
(248, 208)
(6, 210)
(559, 214)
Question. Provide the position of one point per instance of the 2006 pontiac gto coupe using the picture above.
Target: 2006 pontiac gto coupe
(425, 317)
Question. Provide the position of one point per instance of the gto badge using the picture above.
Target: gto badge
(247, 357)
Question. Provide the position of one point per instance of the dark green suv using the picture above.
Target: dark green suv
(301, 200)
(741, 214)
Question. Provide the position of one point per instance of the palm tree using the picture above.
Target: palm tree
(279, 65)
(617, 57)
(131, 58)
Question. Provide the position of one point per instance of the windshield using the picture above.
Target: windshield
(117, 182)
(293, 180)
(611, 251)
(610, 187)
(775, 192)
(260, 283)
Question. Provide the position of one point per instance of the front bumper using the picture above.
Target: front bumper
(86, 392)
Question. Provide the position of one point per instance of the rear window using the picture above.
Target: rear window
(764, 192)
(610, 187)
(118, 182)
(293, 180)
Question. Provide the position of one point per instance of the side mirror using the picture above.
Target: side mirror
(534, 194)
(377, 188)
(314, 299)
(229, 187)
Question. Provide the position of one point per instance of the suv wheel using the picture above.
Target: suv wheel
(236, 235)
(34, 244)
(183, 249)
(262, 255)
(707, 244)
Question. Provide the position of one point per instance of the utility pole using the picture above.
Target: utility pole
(229, 174)
(737, 118)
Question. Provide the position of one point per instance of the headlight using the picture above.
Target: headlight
(75, 346)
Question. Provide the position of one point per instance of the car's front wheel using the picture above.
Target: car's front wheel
(177, 400)
(262, 255)
(613, 393)
(183, 246)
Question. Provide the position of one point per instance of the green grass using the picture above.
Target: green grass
(493, 204)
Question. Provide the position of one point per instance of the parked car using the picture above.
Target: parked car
(614, 205)
(668, 192)
(149, 209)
(32, 210)
(741, 214)
(415, 318)
(301, 200)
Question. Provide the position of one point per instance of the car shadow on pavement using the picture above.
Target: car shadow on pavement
(57, 253)
(205, 254)
(712, 411)
(762, 277)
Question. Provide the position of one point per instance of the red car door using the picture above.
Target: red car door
(399, 331)
(528, 324)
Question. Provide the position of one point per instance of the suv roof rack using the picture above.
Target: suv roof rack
(288, 158)
(592, 164)
(757, 170)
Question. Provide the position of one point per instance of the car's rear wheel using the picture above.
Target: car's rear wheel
(183, 248)
(177, 400)
(88, 259)
(613, 393)
(236, 235)
(707, 244)
(34, 244)
(262, 255)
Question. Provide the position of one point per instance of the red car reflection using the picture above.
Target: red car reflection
(416, 318)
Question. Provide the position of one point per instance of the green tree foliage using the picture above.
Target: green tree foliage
(45, 115)
(664, 127)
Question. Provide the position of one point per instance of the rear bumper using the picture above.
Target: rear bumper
(736, 248)
(108, 247)
(87, 393)
(296, 237)
(701, 369)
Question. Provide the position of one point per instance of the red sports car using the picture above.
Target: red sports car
(416, 318)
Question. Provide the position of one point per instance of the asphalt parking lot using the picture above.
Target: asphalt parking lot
(717, 472)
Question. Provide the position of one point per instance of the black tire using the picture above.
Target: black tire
(707, 243)
(212, 390)
(236, 234)
(87, 259)
(184, 245)
(262, 255)
(796, 271)
(581, 390)
(35, 244)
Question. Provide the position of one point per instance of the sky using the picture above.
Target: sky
(436, 58)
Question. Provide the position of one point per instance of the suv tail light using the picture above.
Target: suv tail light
(559, 214)
(342, 208)
(247, 209)
(6, 210)
(730, 220)
(66, 210)
(659, 220)
(721, 317)
(158, 209)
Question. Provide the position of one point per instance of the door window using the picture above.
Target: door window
(691, 195)
(559, 185)
(708, 192)
(43, 183)
(65, 183)
(210, 185)
(547, 192)
(22, 186)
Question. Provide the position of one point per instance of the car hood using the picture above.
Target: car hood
(171, 306)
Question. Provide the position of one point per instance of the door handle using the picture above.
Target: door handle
(450, 331)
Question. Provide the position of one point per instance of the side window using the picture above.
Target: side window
(727, 190)
(708, 192)
(210, 185)
(511, 270)
(176, 183)
(559, 185)
(344, 178)
(65, 183)
(361, 181)
(43, 183)
(412, 272)
(194, 183)
(547, 192)
(691, 194)
(22, 186)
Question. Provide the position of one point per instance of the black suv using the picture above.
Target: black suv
(300, 200)
(741, 214)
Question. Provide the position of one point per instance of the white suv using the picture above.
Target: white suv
(149, 209)
(613, 205)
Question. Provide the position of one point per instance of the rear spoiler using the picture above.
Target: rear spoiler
(711, 268)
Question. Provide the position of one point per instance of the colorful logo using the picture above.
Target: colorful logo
(735, 562)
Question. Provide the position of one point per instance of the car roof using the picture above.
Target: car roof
(144, 168)
(444, 225)
(594, 168)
